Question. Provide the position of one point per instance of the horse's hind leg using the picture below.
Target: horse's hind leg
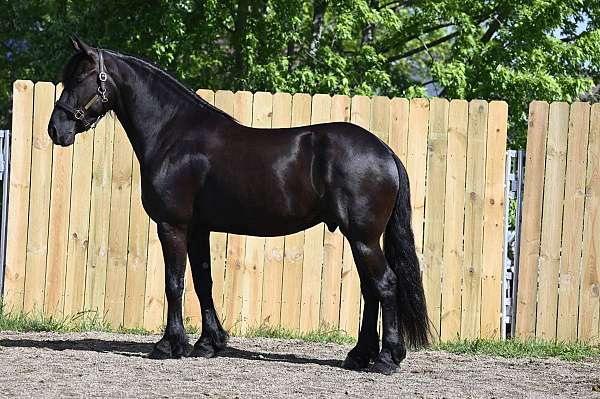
(213, 337)
(174, 342)
(375, 272)
(367, 347)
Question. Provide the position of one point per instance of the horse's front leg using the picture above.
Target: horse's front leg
(213, 338)
(174, 344)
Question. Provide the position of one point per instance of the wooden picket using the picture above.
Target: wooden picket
(274, 246)
(454, 215)
(58, 225)
(313, 242)
(120, 201)
(434, 210)
(79, 223)
(474, 206)
(333, 244)
(93, 248)
(293, 253)
(493, 228)
(532, 219)
(95, 280)
(41, 168)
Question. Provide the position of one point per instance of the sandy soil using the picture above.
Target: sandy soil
(112, 365)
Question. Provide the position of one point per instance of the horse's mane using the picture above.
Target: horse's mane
(69, 70)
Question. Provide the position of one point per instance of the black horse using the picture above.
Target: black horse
(202, 171)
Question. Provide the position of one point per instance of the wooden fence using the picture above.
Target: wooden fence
(559, 278)
(79, 238)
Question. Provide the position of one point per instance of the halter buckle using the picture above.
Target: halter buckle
(102, 76)
(79, 114)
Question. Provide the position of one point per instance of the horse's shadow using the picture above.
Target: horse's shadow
(141, 349)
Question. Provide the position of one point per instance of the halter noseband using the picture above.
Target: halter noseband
(79, 112)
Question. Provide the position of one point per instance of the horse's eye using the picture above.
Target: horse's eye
(80, 78)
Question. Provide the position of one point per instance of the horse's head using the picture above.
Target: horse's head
(86, 97)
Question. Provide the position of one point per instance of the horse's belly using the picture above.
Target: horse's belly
(267, 214)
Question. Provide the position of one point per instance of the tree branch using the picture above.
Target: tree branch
(396, 4)
(493, 28)
(424, 47)
(416, 36)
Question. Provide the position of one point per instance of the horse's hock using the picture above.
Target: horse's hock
(454, 152)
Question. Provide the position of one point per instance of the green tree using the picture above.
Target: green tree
(493, 49)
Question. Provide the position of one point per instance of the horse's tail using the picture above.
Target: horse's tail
(399, 248)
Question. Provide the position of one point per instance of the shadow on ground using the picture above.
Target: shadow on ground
(139, 349)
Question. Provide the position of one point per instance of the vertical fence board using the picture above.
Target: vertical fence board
(572, 232)
(294, 243)
(416, 161)
(475, 191)
(224, 100)
(135, 283)
(433, 245)
(360, 114)
(380, 118)
(95, 280)
(262, 114)
(236, 244)
(79, 223)
(58, 230)
(398, 140)
(552, 220)
(313, 242)
(120, 200)
(18, 205)
(39, 198)
(532, 219)
(274, 246)
(454, 214)
(493, 224)
(589, 294)
(333, 243)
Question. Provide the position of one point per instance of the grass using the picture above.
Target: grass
(321, 335)
(79, 322)
(517, 348)
(511, 348)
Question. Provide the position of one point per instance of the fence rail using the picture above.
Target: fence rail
(79, 238)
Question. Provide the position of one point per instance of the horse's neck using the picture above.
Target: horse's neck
(145, 106)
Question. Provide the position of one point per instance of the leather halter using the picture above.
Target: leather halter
(79, 113)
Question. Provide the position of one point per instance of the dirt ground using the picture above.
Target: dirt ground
(113, 365)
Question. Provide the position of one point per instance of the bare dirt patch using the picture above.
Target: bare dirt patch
(115, 365)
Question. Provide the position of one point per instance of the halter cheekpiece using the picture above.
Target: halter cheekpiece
(79, 113)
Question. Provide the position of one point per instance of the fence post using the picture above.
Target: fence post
(4, 161)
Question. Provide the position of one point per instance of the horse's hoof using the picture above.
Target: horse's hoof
(204, 350)
(182, 350)
(161, 350)
(208, 347)
(384, 368)
(164, 350)
(353, 363)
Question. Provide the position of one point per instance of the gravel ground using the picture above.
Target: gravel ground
(114, 365)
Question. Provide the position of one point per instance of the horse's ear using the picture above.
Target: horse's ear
(79, 45)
